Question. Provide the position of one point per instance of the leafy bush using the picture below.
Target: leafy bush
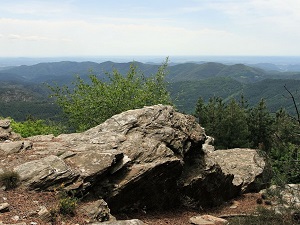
(91, 103)
(233, 125)
(9, 179)
(32, 127)
(67, 205)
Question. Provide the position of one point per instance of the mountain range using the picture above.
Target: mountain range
(22, 88)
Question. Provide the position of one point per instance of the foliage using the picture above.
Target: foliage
(53, 215)
(67, 205)
(235, 130)
(227, 123)
(260, 124)
(285, 151)
(32, 127)
(188, 81)
(9, 179)
(186, 93)
(89, 104)
(67, 201)
(234, 125)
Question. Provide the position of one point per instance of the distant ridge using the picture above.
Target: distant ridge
(65, 71)
(22, 91)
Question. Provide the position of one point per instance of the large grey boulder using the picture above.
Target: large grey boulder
(221, 175)
(142, 155)
(247, 166)
(148, 158)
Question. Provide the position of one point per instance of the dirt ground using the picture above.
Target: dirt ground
(24, 206)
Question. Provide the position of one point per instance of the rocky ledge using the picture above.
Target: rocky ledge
(149, 158)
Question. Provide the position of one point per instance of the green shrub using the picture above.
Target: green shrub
(9, 179)
(89, 103)
(33, 127)
(68, 205)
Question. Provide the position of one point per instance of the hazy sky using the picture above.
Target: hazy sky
(149, 27)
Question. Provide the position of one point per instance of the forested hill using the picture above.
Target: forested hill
(64, 71)
(22, 91)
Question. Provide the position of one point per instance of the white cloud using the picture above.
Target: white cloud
(36, 8)
(256, 27)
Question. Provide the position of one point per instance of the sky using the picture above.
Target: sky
(53, 28)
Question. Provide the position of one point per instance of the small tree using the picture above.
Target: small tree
(260, 123)
(235, 128)
(90, 104)
(201, 112)
(285, 152)
(227, 123)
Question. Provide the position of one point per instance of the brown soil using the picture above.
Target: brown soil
(245, 204)
(25, 204)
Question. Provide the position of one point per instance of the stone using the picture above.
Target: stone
(15, 218)
(148, 158)
(4, 133)
(41, 138)
(94, 163)
(8, 148)
(200, 221)
(5, 123)
(4, 207)
(121, 222)
(22, 223)
(44, 214)
(234, 205)
(208, 220)
(247, 166)
(44, 173)
(208, 147)
(216, 220)
(222, 175)
(27, 145)
(97, 211)
(14, 136)
(117, 159)
(282, 199)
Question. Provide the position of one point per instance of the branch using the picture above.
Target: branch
(236, 215)
(294, 102)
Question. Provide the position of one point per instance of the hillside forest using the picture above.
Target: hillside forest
(238, 105)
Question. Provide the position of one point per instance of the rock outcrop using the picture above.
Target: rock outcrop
(149, 158)
(283, 199)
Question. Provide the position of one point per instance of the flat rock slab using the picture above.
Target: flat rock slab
(8, 148)
(207, 220)
(45, 172)
(93, 163)
(121, 222)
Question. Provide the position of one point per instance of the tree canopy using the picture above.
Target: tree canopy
(91, 103)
